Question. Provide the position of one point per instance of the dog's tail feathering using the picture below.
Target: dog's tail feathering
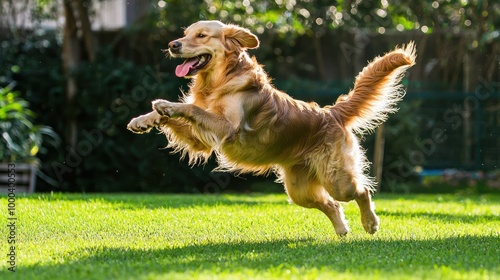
(376, 91)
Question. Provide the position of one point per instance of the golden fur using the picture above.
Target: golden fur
(232, 110)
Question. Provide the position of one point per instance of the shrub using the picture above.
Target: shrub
(20, 139)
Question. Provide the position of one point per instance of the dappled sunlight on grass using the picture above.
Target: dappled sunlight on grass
(132, 236)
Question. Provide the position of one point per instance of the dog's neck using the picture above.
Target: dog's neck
(239, 73)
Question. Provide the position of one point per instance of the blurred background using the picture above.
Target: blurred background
(74, 72)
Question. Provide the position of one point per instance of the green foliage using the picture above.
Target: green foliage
(20, 139)
(130, 72)
(292, 18)
(130, 236)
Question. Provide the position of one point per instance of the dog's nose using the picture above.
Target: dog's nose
(174, 46)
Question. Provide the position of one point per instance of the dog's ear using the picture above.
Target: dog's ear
(239, 37)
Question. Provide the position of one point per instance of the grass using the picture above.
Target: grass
(131, 236)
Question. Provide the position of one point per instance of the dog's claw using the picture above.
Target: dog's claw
(136, 125)
(342, 235)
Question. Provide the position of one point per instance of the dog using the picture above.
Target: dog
(233, 111)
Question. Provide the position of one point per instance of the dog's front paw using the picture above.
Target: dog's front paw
(140, 125)
(164, 107)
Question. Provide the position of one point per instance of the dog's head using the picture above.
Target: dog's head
(207, 44)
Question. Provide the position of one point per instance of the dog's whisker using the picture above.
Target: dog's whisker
(166, 52)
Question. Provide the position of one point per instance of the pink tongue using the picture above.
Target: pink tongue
(183, 69)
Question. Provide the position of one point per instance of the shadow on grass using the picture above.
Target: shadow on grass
(442, 217)
(464, 254)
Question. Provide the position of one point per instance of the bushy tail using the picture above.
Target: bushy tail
(376, 91)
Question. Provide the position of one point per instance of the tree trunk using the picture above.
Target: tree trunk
(71, 59)
(77, 19)
(86, 30)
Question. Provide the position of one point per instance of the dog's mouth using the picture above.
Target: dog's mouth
(192, 65)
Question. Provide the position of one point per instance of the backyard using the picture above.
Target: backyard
(82, 197)
(257, 236)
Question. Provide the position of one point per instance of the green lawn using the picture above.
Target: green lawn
(132, 236)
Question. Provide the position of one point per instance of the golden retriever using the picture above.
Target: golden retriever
(233, 111)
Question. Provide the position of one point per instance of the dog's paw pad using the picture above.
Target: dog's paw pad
(139, 127)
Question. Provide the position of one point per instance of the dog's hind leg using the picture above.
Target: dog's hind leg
(345, 180)
(305, 191)
(369, 219)
(348, 187)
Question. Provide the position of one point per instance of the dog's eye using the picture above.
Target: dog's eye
(201, 35)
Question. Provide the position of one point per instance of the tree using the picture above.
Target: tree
(310, 31)
(76, 20)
